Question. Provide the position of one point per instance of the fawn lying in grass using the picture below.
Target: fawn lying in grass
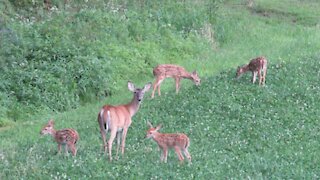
(66, 137)
(177, 141)
(256, 66)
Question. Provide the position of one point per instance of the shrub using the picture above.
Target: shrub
(60, 58)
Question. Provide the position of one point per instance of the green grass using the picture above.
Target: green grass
(243, 34)
(237, 130)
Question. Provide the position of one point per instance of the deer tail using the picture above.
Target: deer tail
(108, 120)
(102, 124)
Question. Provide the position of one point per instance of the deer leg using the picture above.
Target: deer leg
(165, 154)
(118, 142)
(103, 131)
(112, 136)
(187, 154)
(161, 154)
(124, 134)
(264, 74)
(177, 85)
(178, 152)
(254, 77)
(263, 78)
(159, 91)
(59, 148)
(156, 84)
(103, 135)
(260, 77)
(66, 149)
(159, 85)
(74, 149)
(154, 89)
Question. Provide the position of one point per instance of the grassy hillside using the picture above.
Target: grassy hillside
(281, 31)
(237, 130)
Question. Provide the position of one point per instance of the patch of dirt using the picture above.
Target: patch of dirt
(285, 16)
(272, 13)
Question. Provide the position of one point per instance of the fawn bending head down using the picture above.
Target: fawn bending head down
(256, 66)
(117, 119)
(178, 141)
(195, 78)
(65, 137)
(176, 72)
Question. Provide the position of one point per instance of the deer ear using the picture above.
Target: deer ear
(158, 127)
(51, 122)
(149, 124)
(131, 86)
(147, 87)
(194, 72)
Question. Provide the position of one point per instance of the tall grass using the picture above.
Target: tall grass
(237, 130)
(244, 33)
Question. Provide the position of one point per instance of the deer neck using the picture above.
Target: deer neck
(53, 133)
(133, 106)
(156, 136)
(245, 68)
(186, 75)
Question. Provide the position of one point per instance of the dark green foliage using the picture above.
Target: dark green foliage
(46, 66)
(60, 58)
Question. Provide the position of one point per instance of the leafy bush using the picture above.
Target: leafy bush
(58, 59)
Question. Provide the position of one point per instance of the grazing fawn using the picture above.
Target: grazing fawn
(180, 142)
(176, 72)
(117, 119)
(66, 137)
(256, 66)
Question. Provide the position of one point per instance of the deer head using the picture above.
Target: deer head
(152, 130)
(239, 72)
(138, 93)
(47, 129)
(195, 78)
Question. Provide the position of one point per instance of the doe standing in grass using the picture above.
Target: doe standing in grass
(65, 137)
(178, 141)
(176, 72)
(256, 66)
(117, 119)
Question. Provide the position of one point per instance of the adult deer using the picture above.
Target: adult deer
(256, 66)
(66, 137)
(178, 141)
(118, 118)
(176, 72)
